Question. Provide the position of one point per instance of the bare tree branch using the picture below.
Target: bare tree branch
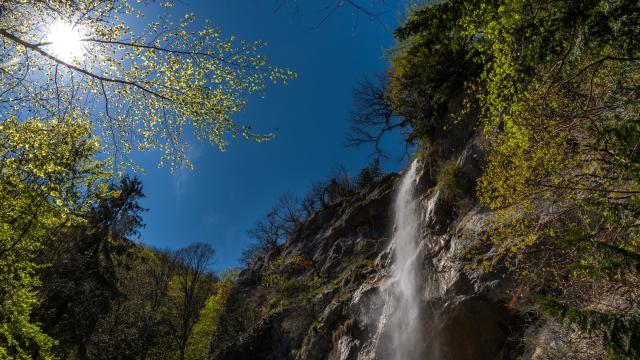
(372, 117)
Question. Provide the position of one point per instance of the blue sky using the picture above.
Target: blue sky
(227, 192)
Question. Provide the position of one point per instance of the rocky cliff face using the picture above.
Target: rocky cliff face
(319, 296)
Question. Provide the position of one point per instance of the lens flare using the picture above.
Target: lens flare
(65, 41)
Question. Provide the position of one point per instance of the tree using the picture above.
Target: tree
(374, 10)
(434, 65)
(369, 175)
(157, 275)
(288, 215)
(281, 222)
(189, 289)
(372, 117)
(133, 326)
(340, 186)
(140, 89)
(80, 281)
(316, 198)
(210, 317)
(48, 179)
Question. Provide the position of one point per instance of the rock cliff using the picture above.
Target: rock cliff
(318, 296)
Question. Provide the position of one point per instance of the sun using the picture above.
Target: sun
(65, 41)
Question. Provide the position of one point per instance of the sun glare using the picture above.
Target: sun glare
(65, 41)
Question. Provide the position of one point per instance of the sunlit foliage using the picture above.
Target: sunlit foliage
(140, 85)
(47, 179)
(210, 317)
(554, 86)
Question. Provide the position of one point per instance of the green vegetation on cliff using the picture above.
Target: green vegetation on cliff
(553, 88)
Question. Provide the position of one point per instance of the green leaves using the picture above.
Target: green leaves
(554, 85)
(210, 317)
(433, 64)
(47, 179)
(454, 181)
(142, 90)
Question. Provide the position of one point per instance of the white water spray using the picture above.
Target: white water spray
(396, 312)
(399, 334)
(403, 321)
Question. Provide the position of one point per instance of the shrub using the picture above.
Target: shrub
(455, 183)
(369, 175)
(289, 213)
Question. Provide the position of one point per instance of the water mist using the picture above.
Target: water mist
(399, 334)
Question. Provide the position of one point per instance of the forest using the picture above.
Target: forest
(546, 93)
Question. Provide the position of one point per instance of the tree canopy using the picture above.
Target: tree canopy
(140, 86)
(49, 178)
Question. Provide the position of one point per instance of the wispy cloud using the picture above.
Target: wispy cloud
(180, 179)
(182, 174)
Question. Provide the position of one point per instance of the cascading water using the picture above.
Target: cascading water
(403, 299)
(399, 334)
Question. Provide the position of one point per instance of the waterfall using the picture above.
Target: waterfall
(399, 334)
(403, 330)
